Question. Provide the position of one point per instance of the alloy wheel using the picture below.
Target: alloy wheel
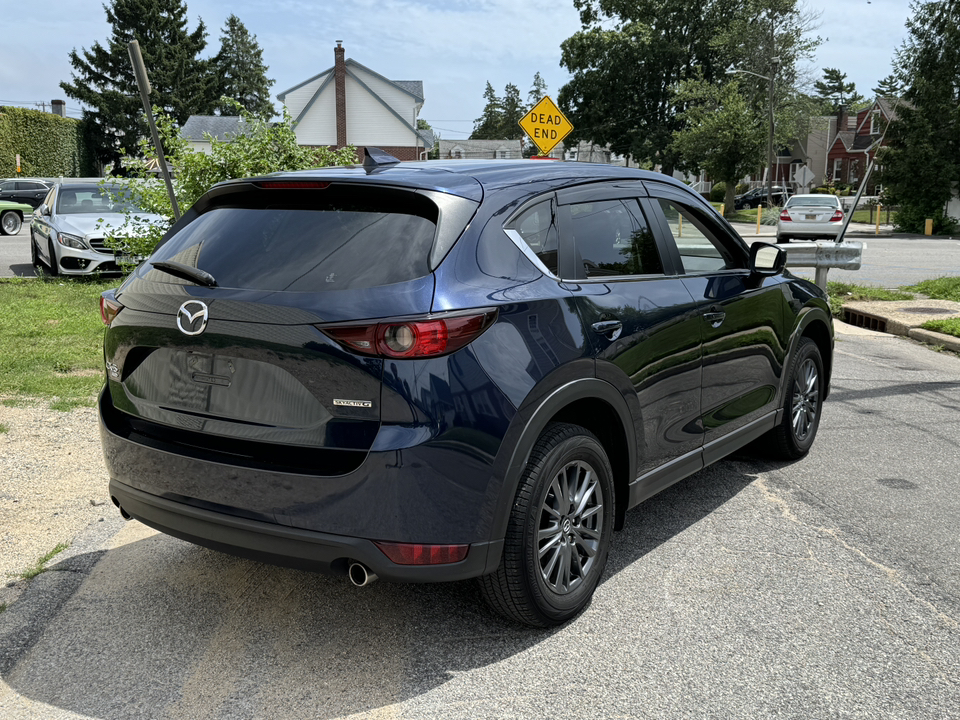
(806, 397)
(570, 527)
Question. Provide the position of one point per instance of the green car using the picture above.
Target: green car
(11, 216)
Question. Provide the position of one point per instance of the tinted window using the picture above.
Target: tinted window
(535, 227)
(312, 241)
(6, 185)
(609, 240)
(700, 245)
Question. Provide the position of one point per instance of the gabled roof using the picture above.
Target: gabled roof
(852, 142)
(220, 126)
(481, 145)
(414, 88)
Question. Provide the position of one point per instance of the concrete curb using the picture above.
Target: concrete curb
(23, 623)
(948, 342)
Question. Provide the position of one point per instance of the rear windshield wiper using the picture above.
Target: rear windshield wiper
(186, 272)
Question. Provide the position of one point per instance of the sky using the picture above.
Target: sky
(454, 47)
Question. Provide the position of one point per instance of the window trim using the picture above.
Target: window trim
(725, 234)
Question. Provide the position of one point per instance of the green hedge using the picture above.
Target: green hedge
(48, 145)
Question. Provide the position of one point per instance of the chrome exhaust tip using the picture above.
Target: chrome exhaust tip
(360, 574)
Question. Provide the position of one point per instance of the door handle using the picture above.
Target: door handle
(610, 328)
(714, 318)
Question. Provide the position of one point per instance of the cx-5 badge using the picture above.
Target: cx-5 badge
(192, 317)
(353, 403)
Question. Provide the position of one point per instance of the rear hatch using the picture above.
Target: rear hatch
(811, 210)
(234, 368)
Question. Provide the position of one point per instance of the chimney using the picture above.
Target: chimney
(340, 83)
(58, 107)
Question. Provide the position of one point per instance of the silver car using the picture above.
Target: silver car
(810, 217)
(68, 229)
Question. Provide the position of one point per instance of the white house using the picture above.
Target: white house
(350, 104)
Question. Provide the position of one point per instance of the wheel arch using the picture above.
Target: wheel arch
(816, 324)
(592, 404)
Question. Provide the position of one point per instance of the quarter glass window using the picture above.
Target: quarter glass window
(610, 241)
(535, 227)
(701, 250)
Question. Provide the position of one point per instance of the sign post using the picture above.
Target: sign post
(18, 163)
(546, 125)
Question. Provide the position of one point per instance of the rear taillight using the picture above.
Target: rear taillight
(416, 554)
(837, 216)
(785, 216)
(427, 337)
(109, 308)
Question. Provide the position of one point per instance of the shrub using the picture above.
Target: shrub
(718, 192)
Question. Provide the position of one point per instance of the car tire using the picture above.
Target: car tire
(10, 222)
(54, 266)
(34, 255)
(559, 530)
(802, 406)
(783, 238)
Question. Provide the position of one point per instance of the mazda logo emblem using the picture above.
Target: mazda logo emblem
(192, 317)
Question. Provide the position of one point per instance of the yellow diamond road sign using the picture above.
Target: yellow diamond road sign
(546, 125)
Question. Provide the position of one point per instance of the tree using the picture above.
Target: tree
(239, 68)
(840, 94)
(512, 112)
(259, 148)
(537, 90)
(722, 133)
(890, 86)
(103, 77)
(487, 126)
(921, 166)
(631, 56)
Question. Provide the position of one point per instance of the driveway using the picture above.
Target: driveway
(821, 588)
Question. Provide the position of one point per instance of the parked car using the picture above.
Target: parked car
(810, 217)
(758, 196)
(68, 229)
(437, 371)
(12, 215)
(26, 190)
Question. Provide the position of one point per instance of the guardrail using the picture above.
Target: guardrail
(823, 255)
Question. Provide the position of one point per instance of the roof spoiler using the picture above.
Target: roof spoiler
(374, 158)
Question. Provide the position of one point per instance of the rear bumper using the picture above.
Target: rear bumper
(290, 547)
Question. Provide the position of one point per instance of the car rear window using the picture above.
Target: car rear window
(826, 200)
(307, 241)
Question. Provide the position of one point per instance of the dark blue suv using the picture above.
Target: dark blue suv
(448, 370)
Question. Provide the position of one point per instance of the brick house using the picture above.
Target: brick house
(350, 104)
(853, 148)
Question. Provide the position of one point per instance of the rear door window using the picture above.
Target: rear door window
(608, 240)
(300, 241)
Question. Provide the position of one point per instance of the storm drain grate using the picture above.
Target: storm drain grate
(864, 320)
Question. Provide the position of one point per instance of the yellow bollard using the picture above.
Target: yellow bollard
(722, 208)
(759, 215)
(877, 228)
(928, 227)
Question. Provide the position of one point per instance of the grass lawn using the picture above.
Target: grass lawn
(51, 340)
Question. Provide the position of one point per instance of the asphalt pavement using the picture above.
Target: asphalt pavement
(822, 588)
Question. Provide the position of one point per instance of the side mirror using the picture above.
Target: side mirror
(767, 259)
(43, 209)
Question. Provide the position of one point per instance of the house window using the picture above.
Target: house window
(875, 122)
(837, 169)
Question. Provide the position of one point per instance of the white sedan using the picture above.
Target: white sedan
(810, 217)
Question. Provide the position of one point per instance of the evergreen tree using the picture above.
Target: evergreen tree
(240, 70)
(888, 87)
(537, 91)
(841, 95)
(103, 78)
(512, 112)
(488, 125)
(921, 166)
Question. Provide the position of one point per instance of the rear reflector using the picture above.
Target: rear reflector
(416, 554)
(428, 337)
(293, 184)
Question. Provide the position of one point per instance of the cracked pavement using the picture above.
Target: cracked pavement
(823, 588)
